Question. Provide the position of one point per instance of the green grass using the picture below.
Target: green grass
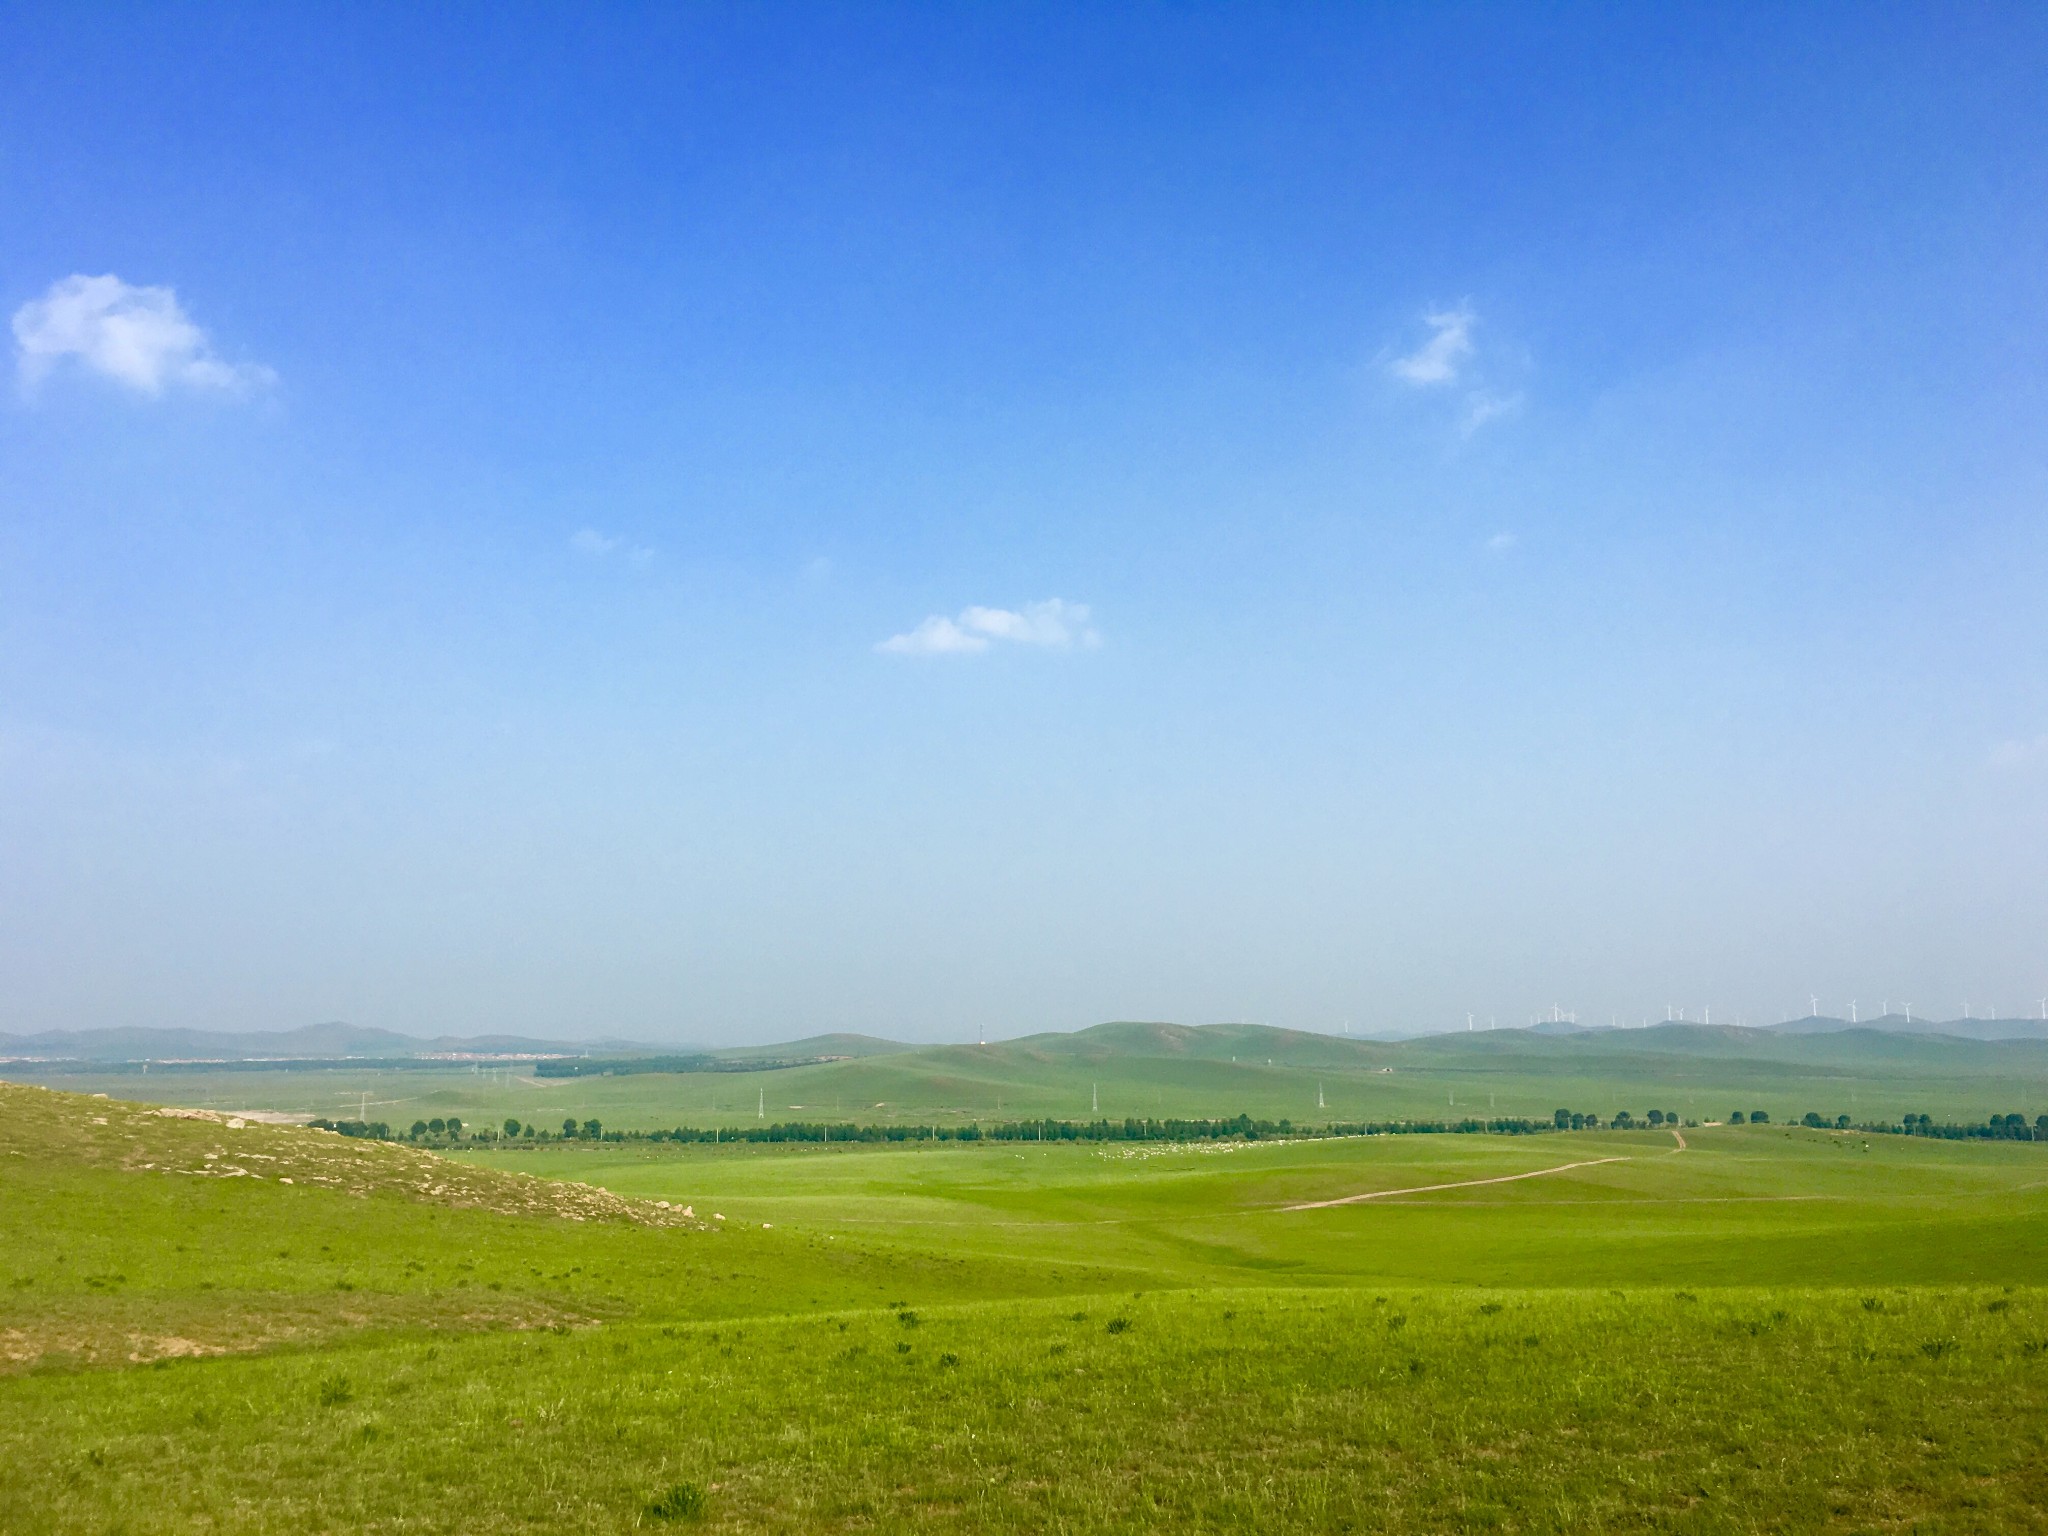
(1258, 1411)
(1739, 1207)
(1773, 1329)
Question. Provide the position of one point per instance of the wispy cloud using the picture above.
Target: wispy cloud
(1482, 407)
(936, 636)
(139, 337)
(588, 541)
(1501, 543)
(1054, 623)
(1452, 362)
(1440, 359)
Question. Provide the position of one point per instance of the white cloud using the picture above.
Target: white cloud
(1501, 543)
(936, 636)
(1054, 623)
(1482, 407)
(1439, 359)
(588, 541)
(136, 336)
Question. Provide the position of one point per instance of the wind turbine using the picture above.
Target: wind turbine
(2044, 1007)
(1852, 1010)
(1813, 1003)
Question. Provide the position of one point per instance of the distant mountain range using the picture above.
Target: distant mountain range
(315, 1042)
(1899, 1024)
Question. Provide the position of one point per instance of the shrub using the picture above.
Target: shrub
(336, 1390)
(1117, 1325)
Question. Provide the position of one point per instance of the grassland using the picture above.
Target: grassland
(1769, 1329)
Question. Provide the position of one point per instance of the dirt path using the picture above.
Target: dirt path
(1425, 1189)
(1680, 1135)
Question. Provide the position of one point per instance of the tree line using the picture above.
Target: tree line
(2008, 1127)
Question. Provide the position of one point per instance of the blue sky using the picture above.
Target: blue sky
(717, 524)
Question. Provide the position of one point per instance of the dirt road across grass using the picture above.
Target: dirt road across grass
(1426, 1189)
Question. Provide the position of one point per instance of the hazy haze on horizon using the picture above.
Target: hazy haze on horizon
(723, 526)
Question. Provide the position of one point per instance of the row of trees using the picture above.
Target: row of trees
(1998, 1128)
(1624, 1120)
(373, 1130)
(451, 1129)
(2010, 1127)
(1234, 1128)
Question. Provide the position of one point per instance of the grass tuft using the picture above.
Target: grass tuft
(678, 1501)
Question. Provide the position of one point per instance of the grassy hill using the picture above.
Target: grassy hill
(238, 1327)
